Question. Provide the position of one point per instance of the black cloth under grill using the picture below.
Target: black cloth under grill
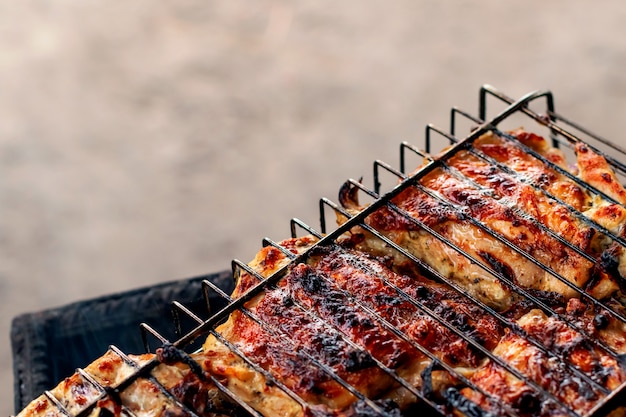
(49, 345)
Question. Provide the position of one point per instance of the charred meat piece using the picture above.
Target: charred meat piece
(604, 373)
(361, 321)
(511, 227)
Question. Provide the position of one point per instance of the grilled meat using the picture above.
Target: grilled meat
(476, 203)
(600, 371)
(491, 306)
(335, 316)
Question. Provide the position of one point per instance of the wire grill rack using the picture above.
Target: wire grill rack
(564, 134)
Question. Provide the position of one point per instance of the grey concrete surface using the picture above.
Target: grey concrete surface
(145, 141)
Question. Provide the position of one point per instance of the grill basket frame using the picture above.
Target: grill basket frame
(563, 134)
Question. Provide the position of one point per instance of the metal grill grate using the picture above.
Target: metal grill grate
(560, 131)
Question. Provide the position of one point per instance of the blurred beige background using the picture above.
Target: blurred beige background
(145, 141)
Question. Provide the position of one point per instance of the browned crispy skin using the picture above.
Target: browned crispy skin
(562, 382)
(504, 209)
(327, 309)
(595, 171)
(510, 154)
(402, 300)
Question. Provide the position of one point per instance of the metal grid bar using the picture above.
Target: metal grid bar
(618, 164)
(57, 403)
